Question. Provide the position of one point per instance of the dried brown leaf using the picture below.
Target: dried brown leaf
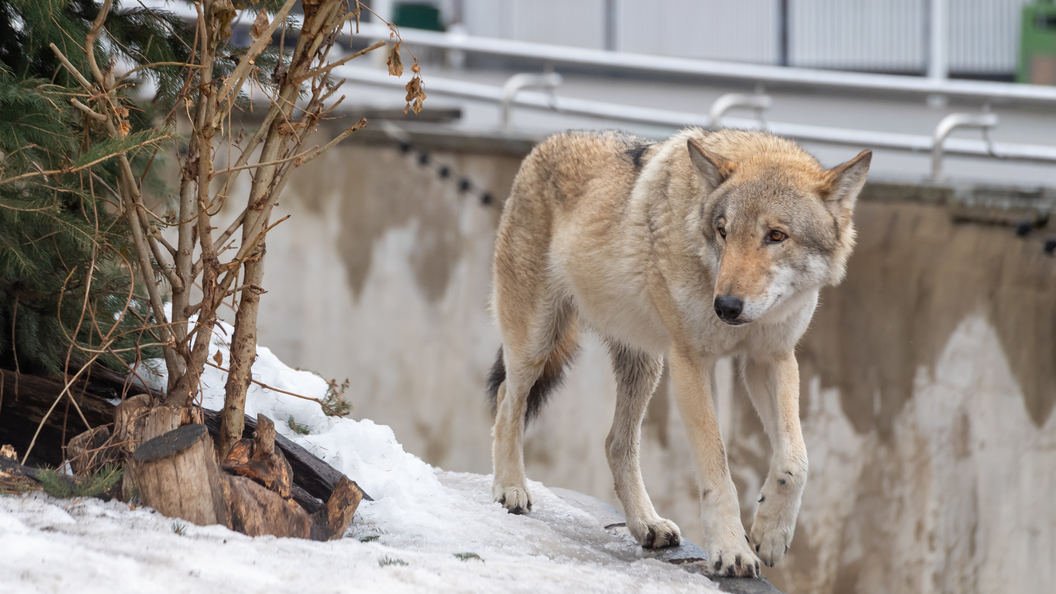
(218, 358)
(415, 95)
(223, 14)
(260, 24)
(395, 63)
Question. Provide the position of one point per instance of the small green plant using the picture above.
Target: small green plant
(179, 528)
(298, 428)
(334, 402)
(390, 561)
(468, 556)
(370, 538)
(93, 485)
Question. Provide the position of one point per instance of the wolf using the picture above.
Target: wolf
(706, 245)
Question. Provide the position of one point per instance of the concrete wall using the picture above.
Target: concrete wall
(929, 376)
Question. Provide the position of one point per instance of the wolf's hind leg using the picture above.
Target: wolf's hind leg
(774, 389)
(536, 349)
(637, 374)
(509, 484)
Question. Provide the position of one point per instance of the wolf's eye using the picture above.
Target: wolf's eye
(722, 231)
(776, 236)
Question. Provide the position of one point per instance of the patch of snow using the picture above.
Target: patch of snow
(421, 518)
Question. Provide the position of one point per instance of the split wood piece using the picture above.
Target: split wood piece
(161, 419)
(257, 511)
(257, 459)
(313, 479)
(177, 475)
(330, 522)
(130, 418)
(91, 450)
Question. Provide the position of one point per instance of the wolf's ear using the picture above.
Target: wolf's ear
(713, 169)
(842, 184)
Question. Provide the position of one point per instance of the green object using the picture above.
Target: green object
(1037, 45)
(417, 16)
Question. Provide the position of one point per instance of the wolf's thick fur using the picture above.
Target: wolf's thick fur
(706, 245)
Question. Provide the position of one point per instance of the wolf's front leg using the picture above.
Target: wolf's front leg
(774, 388)
(637, 374)
(729, 552)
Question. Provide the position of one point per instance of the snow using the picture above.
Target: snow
(421, 517)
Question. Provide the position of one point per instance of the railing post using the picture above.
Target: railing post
(758, 102)
(524, 80)
(984, 121)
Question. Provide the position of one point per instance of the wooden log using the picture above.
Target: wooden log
(176, 474)
(91, 450)
(26, 399)
(130, 418)
(259, 460)
(314, 479)
(331, 521)
(161, 419)
(256, 510)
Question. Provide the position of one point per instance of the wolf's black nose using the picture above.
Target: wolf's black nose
(728, 308)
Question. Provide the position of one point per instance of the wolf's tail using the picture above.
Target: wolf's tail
(563, 352)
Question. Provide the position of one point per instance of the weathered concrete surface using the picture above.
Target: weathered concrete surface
(929, 376)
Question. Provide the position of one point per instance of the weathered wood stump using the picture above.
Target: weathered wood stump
(314, 480)
(331, 521)
(257, 459)
(130, 418)
(258, 511)
(91, 450)
(176, 474)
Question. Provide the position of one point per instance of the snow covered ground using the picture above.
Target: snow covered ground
(427, 530)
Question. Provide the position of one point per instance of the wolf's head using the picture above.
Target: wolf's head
(775, 224)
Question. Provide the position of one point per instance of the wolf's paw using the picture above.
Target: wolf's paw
(773, 528)
(656, 534)
(737, 560)
(515, 499)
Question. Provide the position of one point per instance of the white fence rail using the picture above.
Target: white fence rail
(784, 77)
(677, 119)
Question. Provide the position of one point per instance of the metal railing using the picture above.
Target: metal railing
(785, 77)
(677, 119)
(803, 78)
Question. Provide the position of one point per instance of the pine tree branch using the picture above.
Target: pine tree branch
(119, 154)
(76, 73)
(88, 110)
(89, 44)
